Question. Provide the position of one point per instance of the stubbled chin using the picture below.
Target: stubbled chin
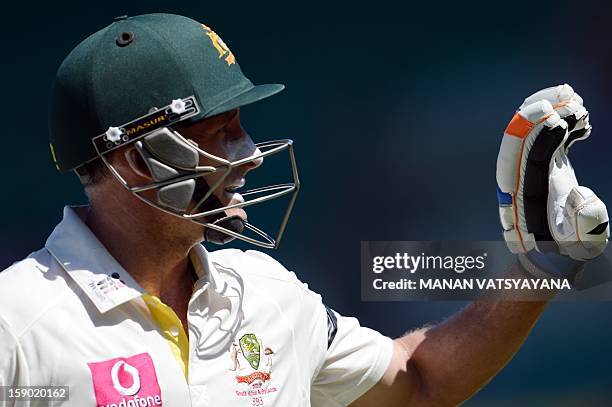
(236, 198)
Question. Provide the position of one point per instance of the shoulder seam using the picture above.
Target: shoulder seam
(47, 307)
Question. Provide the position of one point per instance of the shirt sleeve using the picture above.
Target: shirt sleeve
(355, 360)
(13, 367)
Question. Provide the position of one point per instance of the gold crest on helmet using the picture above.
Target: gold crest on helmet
(220, 46)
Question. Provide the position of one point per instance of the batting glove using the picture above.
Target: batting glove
(547, 217)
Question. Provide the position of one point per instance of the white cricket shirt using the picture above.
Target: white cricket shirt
(70, 315)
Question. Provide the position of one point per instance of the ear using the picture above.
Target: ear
(136, 163)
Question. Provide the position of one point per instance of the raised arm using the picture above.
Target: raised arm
(552, 223)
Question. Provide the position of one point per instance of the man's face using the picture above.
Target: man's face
(224, 137)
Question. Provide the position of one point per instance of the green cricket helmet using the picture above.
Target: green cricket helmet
(130, 83)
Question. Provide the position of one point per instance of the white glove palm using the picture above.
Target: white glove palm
(542, 206)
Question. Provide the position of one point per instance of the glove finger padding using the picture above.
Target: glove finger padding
(533, 136)
(587, 217)
(569, 105)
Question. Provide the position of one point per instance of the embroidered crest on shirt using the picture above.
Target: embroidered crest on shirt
(252, 360)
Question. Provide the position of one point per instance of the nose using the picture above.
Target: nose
(256, 162)
(249, 149)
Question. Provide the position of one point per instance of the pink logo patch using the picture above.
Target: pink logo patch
(126, 382)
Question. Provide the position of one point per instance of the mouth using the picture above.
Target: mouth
(231, 191)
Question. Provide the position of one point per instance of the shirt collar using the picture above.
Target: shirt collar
(222, 303)
(89, 264)
(100, 276)
(207, 272)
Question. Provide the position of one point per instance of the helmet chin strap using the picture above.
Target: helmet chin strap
(233, 222)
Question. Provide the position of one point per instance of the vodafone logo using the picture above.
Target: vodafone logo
(126, 370)
(126, 382)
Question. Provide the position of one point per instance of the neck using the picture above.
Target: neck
(150, 245)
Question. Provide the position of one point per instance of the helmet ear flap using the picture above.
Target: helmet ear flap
(175, 196)
(159, 171)
(170, 148)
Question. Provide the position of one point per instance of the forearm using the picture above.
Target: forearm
(457, 357)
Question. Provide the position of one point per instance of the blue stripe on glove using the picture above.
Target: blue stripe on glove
(503, 198)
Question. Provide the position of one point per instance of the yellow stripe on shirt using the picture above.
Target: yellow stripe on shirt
(172, 328)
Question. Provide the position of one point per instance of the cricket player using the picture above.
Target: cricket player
(125, 307)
